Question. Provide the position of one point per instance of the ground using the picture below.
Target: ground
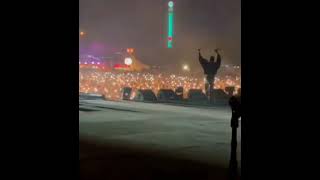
(198, 134)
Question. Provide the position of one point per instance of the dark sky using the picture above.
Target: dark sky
(141, 24)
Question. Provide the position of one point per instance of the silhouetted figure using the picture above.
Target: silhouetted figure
(210, 69)
(235, 103)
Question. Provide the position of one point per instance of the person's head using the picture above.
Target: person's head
(211, 58)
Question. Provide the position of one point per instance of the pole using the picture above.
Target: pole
(235, 103)
(170, 24)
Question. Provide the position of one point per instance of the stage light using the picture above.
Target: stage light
(128, 61)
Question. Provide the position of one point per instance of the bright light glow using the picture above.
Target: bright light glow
(82, 33)
(185, 67)
(110, 83)
(170, 29)
(128, 61)
(130, 50)
(170, 25)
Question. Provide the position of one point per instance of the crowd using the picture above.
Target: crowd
(110, 84)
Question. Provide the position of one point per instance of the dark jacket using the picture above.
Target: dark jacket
(210, 67)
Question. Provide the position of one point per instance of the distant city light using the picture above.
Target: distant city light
(128, 61)
(130, 50)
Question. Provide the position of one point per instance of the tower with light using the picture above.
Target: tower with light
(170, 24)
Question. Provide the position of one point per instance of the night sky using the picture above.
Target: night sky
(141, 24)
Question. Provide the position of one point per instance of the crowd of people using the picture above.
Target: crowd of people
(110, 84)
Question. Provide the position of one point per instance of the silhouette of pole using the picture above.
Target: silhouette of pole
(235, 103)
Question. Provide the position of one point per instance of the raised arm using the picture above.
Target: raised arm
(202, 61)
(218, 63)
